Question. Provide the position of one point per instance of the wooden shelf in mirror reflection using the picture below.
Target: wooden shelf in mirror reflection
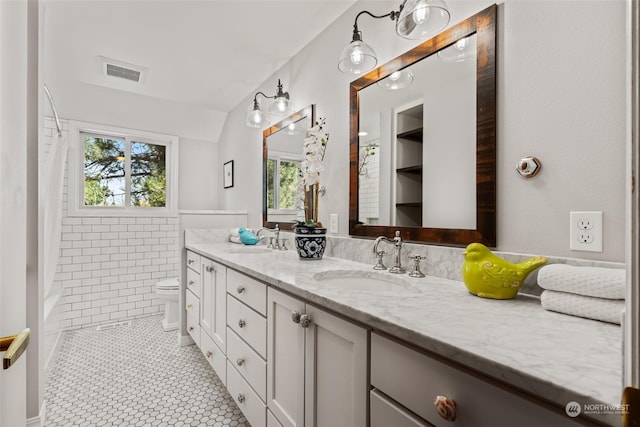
(409, 205)
(413, 135)
(416, 170)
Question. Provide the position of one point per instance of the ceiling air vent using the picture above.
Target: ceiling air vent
(122, 70)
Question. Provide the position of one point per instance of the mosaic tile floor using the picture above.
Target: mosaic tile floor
(135, 375)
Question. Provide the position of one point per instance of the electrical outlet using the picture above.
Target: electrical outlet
(333, 223)
(586, 231)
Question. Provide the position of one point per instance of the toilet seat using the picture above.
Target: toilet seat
(168, 284)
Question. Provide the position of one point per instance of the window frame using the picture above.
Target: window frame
(76, 175)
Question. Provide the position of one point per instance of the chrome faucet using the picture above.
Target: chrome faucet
(274, 242)
(397, 248)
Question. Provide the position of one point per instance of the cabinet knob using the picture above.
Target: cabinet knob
(445, 407)
(305, 321)
(209, 354)
(191, 282)
(295, 316)
(241, 398)
(190, 261)
(241, 323)
(190, 328)
(240, 289)
(189, 306)
(209, 269)
(240, 361)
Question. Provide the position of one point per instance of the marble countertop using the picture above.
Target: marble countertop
(557, 357)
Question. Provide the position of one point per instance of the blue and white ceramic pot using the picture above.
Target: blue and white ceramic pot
(310, 242)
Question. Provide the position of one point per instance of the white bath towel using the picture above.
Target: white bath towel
(606, 310)
(597, 282)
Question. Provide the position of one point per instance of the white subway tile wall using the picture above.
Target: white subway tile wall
(108, 266)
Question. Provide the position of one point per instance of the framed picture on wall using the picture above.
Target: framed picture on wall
(227, 170)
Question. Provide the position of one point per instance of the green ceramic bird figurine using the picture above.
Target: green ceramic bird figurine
(489, 276)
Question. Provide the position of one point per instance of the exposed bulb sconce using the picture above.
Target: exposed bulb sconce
(459, 51)
(415, 19)
(397, 80)
(280, 106)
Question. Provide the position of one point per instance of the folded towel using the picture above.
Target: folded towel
(598, 282)
(235, 239)
(606, 310)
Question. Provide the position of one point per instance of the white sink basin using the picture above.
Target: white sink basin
(356, 280)
(249, 250)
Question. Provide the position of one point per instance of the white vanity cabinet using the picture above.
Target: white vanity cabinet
(247, 345)
(403, 376)
(213, 315)
(192, 296)
(316, 366)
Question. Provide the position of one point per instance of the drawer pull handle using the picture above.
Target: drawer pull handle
(240, 361)
(241, 323)
(190, 328)
(240, 289)
(189, 306)
(191, 282)
(445, 407)
(209, 269)
(191, 261)
(295, 317)
(209, 354)
(241, 398)
(305, 321)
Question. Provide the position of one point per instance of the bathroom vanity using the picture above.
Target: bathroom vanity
(303, 346)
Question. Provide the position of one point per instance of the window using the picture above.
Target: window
(121, 172)
(282, 183)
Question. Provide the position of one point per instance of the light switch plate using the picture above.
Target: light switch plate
(586, 231)
(333, 223)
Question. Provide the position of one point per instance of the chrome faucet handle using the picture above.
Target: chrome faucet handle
(283, 247)
(379, 264)
(416, 266)
(270, 245)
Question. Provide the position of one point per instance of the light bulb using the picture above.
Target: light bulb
(256, 117)
(357, 56)
(281, 105)
(395, 76)
(461, 44)
(421, 12)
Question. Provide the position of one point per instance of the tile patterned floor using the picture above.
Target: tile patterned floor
(135, 375)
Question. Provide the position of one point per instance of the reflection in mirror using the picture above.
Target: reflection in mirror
(282, 151)
(423, 140)
(417, 164)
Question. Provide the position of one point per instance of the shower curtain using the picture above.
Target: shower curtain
(52, 190)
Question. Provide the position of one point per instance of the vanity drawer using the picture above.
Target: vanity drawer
(192, 308)
(254, 410)
(248, 324)
(248, 290)
(385, 413)
(248, 363)
(414, 380)
(193, 261)
(214, 355)
(193, 282)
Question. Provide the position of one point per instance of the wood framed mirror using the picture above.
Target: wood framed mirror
(449, 193)
(282, 151)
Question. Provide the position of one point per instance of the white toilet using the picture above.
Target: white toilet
(167, 291)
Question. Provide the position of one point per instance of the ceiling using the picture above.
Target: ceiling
(205, 53)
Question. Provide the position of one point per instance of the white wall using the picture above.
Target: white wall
(561, 97)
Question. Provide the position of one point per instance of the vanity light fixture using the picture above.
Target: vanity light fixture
(280, 106)
(416, 19)
(397, 80)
